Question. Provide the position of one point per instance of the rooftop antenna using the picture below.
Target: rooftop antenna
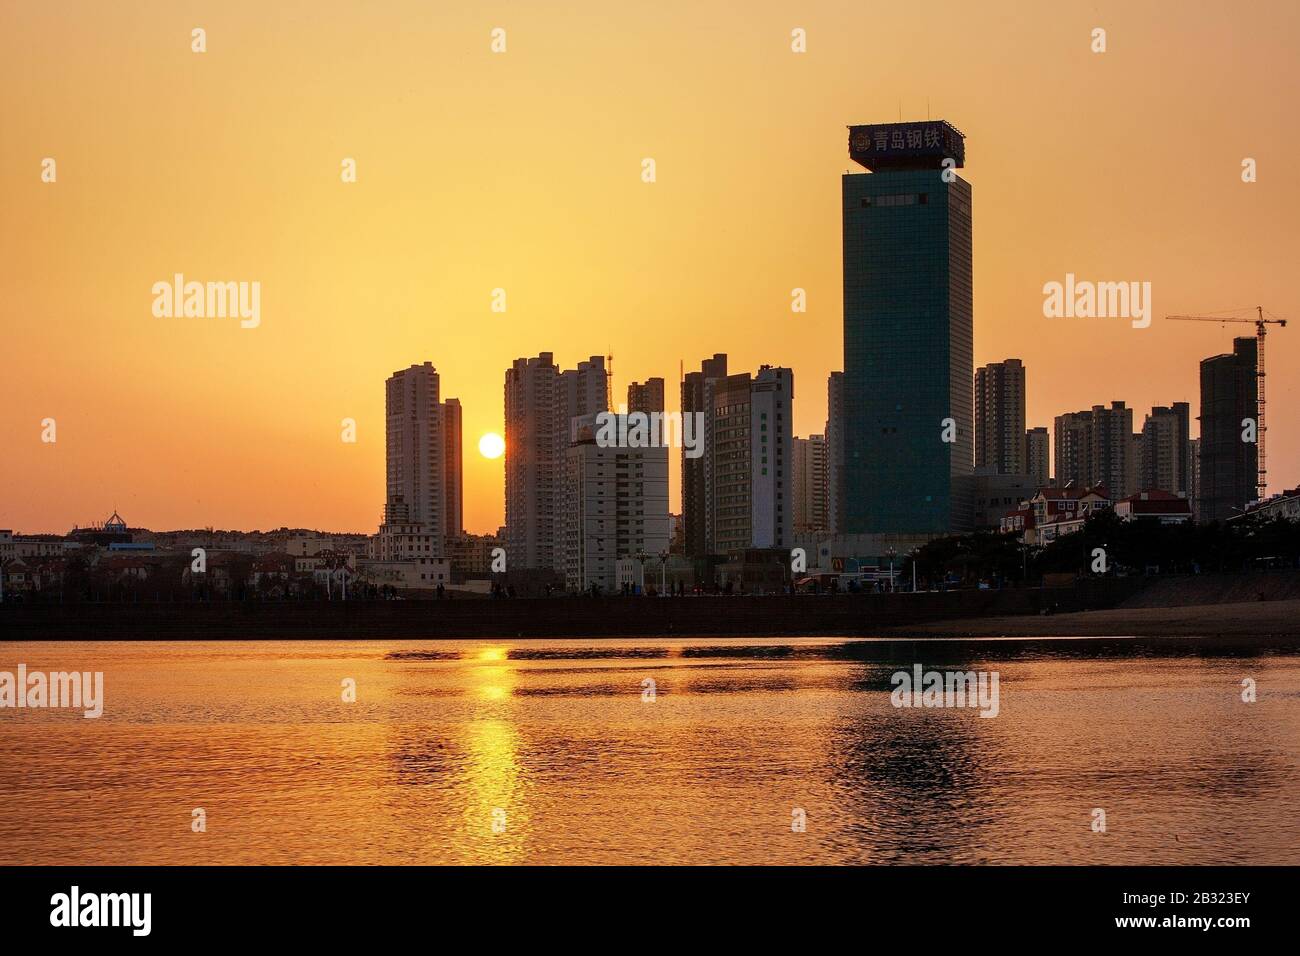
(609, 378)
(927, 108)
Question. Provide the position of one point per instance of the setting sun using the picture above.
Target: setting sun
(491, 445)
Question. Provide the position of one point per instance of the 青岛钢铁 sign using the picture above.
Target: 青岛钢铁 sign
(917, 145)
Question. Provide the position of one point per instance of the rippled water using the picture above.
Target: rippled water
(555, 744)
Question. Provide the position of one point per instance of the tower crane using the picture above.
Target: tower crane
(1261, 330)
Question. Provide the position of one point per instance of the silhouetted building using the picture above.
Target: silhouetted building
(1095, 447)
(1000, 418)
(646, 397)
(907, 332)
(834, 452)
(615, 506)
(541, 401)
(808, 484)
(748, 439)
(1165, 441)
(416, 450)
(694, 503)
(1229, 465)
(454, 459)
(1037, 443)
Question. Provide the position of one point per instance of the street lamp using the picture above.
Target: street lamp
(891, 551)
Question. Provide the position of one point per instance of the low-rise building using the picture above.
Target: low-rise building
(1053, 512)
(1283, 505)
(756, 571)
(1155, 505)
(997, 494)
(470, 555)
(421, 573)
(38, 545)
(405, 541)
(18, 579)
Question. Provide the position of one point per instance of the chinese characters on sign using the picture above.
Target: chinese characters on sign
(896, 144)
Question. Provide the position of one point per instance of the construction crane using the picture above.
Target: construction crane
(1261, 330)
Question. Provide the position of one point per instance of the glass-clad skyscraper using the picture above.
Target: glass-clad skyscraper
(909, 442)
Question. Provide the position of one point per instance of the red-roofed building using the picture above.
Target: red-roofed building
(1053, 512)
(1162, 506)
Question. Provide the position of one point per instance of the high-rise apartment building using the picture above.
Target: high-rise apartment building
(1229, 465)
(1072, 446)
(694, 504)
(1164, 450)
(907, 332)
(1133, 465)
(748, 439)
(580, 392)
(1096, 447)
(1000, 418)
(1193, 477)
(540, 403)
(771, 437)
(834, 452)
(808, 484)
(1037, 454)
(646, 397)
(453, 458)
(728, 492)
(530, 466)
(415, 451)
(615, 505)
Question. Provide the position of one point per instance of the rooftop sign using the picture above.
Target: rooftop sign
(917, 145)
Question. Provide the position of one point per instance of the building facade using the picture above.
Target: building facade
(454, 468)
(540, 404)
(748, 477)
(1000, 418)
(1096, 447)
(415, 447)
(531, 464)
(646, 397)
(834, 451)
(1164, 449)
(1038, 456)
(907, 332)
(771, 440)
(808, 484)
(615, 507)
(694, 502)
(1229, 465)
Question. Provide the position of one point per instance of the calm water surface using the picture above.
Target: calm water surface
(446, 735)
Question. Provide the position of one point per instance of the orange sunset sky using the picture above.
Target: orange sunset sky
(522, 171)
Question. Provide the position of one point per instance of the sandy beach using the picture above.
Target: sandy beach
(1247, 619)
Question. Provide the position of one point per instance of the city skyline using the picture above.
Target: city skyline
(188, 423)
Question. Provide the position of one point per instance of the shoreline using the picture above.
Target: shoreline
(904, 617)
(1264, 620)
